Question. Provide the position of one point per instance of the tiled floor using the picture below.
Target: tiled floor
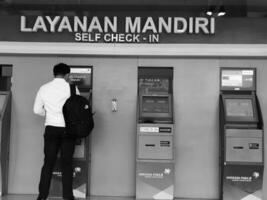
(33, 197)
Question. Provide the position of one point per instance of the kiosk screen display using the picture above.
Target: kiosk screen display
(238, 79)
(154, 85)
(239, 108)
(155, 108)
(81, 76)
(155, 104)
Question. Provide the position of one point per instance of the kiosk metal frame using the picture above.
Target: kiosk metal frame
(5, 124)
(5, 120)
(155, 134)
(241, 136)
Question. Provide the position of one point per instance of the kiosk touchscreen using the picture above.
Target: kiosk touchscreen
(81, 76)
(155, 128)
(241, 136)
(155, 108)
(240, 108)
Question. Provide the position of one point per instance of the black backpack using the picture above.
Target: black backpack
(78, 115)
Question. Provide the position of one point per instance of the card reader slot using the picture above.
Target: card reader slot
(238, 147)
(150, 145)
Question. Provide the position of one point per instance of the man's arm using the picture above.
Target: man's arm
(38, 107)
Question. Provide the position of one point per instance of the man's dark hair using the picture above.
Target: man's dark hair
(61, 69)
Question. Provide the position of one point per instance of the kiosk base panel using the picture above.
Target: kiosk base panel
(242, 182)
(155, 180)
(80, 182)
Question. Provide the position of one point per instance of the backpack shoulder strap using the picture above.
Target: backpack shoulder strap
(72, 89)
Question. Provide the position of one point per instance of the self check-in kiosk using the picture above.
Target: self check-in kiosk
(81, 76)
(5, 123)
(155, 132)
(241, 136)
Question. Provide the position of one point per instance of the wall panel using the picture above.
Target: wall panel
(196, 93)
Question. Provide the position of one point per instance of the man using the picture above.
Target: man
(48, 103)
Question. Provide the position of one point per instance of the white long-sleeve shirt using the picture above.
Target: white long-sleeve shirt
(50, 99)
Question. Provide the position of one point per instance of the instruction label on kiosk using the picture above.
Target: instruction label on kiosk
(144, 129)
(149, 129)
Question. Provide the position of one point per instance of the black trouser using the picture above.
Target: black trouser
(55, 140)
